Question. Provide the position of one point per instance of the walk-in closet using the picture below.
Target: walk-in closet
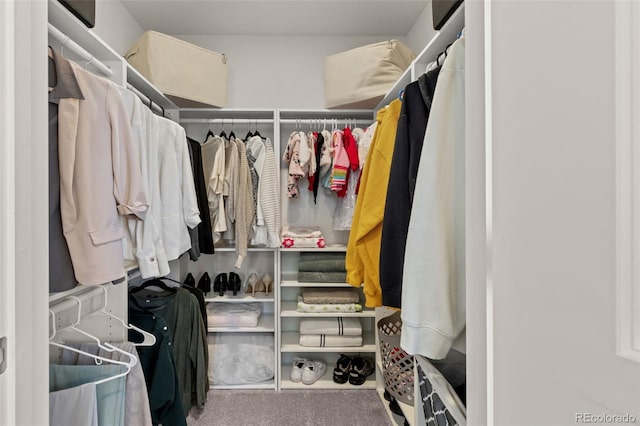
(411, 212)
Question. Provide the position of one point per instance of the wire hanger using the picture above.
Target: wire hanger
(149, 339)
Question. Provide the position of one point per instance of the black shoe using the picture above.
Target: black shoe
(220, 284)
(235, 283)
(360, 369)
(395, 408)
(189, 281)
(205, 283)
(341, 371)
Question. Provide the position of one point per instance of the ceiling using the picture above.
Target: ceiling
(268, 17)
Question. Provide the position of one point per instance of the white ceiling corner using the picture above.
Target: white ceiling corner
(281, 17)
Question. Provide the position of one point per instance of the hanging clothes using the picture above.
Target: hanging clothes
(412, 126)
(244, 209)
(295, 171)
(63, 84)
(158, 365)
(74, 406)
(205, 237)
(143, 239)
(314, 181)
(177, 190)
(340, 162)
(326, 161)
(213, 164)
(256, 155)
(435, 273)
(100, 177)
(363, 250)
(181, 312)
(231, 186)
(345, 206)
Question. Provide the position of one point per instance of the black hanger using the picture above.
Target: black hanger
(223, 135)
(154, 282)
(135, 302)
(232, 135)
(209, 133)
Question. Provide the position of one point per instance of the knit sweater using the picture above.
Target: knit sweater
(244, 211)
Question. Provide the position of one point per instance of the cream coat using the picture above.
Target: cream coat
(100, 178)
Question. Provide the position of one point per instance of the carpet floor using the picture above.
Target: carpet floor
(291, 408)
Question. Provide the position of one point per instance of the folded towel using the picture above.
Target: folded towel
(322, 277)
(328, 307)
(301, 232)
(322, 340)
(310, 256)
(330, 265)
(233, 314)
(330, 295)
(331, 326)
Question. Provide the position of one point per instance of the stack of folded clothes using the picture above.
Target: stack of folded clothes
(298, 237)
(330, 332)
(323, 300)
(322, 267)
(221, 314)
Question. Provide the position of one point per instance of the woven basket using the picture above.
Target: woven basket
(397, 365)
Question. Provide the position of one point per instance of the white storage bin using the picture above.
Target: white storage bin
(359, 78)
(193, 77)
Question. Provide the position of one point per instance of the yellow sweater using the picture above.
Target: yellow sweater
(363, 250)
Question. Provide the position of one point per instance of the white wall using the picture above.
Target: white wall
(422, 31)
(277, 71)
(554, 215)
(115, 25)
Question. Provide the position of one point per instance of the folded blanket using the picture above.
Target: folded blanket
(329, 307)
(300, 242)
(322, 277)
(322, 340)
(330, 265)
(301, 232)
(330, 295)
(311, 256)
(233, 314)
(331, 326)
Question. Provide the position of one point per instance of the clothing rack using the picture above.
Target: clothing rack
(66, 42)
(154, 107)
(231, 121)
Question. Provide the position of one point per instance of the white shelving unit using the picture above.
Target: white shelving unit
(289, 342)
(325, 382)
(289, 310)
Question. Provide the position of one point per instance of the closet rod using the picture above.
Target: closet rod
(78, 50)
(146, 100)
(226, 121)
(323, 120)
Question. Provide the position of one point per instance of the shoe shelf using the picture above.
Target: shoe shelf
(324, 382)
(290, 342)
(289, 310)
(240, 298)
(266, 324)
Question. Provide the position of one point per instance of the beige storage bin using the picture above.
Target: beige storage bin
(191, 76)
(360, 77)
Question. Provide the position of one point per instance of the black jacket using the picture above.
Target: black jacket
(204, 234)
(412, 126)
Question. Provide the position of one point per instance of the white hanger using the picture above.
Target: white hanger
(149, 339)
(99, 359)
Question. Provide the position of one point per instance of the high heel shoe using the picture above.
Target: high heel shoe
(267, 282)
(252, 283)
(235, 283)
(220, 284)
(204, 284)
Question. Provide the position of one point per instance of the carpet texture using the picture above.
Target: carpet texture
(291, 408)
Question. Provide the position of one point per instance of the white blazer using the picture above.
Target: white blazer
(177, 189)
(100, 178)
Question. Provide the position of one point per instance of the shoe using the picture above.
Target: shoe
(189, 281)
(312, 371)
(341, 371)
(220, 284)
(252, 283)
(361, 368)
(395, 408)
(234, 283)
(296, 369)
(267, 283)
(204, 284)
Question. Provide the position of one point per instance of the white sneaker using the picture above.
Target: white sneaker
(296, 369)
(312, 371)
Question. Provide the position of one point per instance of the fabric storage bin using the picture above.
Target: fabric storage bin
(360, 77)
(191, 76)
